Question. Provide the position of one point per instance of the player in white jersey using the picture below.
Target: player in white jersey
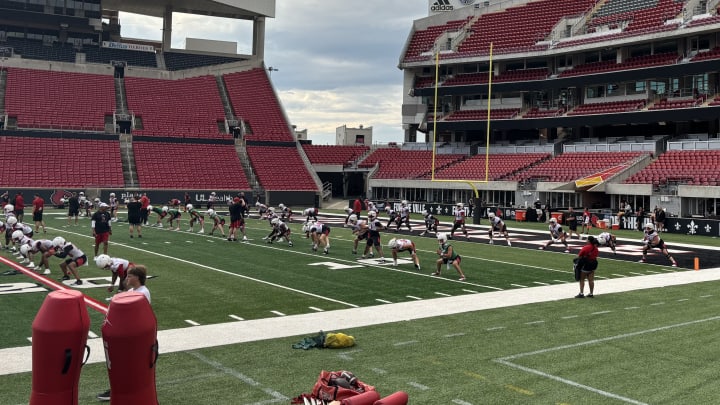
(497, 225)
(459, 220)
(310, 213)
(218, 221)
(557, 235)
(652, 240)
(74, 258)
(45, 247)
(404, 216)
(119, 268)
(431, 223)
(113, 203)
(607, 239)
(373, 240)
(285, 212)
(393, 216)
(21, 241)
(404, 245)
(359, 229)
(280, 231)
(261, 208)
(320, 235)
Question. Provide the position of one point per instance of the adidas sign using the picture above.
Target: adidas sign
(441, 5)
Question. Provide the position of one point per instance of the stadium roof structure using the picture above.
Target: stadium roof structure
(239, 9)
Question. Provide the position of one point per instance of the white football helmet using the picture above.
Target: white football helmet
(348, 210)
(11, 221)
(82, 193)
(393, 243)
(491, 215)
(213, 193)
(210, 211)
(281, 206)
(24, 250)
(372, 214)
(112, 194)
(426, 213)
(404, 202)
(649, 227)
(553, 221)
(59, 241)
(307, 226)
(165, 208)
(96, 200)
(17, 235)
(601, 240)
(275, 221)
(459, 205)
(149, 207)
(271, 209)
(9, 208)
(442, 237)
(62, 201)
(103, 261)
(257, 203)
(189, 207)
(352, 219)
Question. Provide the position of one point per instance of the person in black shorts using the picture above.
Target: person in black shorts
(572, 223)
(134, 217)
(73, 208)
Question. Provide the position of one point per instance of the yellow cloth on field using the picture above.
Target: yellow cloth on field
(339, 340)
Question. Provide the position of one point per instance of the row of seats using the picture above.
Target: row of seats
(669, 103)
(608, 107)
(84, 162)
(424, 40)
(334, 154)
(187, 165)
(688, 167)
(479, 115)
(575, 165)
(631, 63)
(50, 99)
(280, 168)
(498, 166)
(521, 75)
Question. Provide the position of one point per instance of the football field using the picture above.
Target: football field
(228, 313)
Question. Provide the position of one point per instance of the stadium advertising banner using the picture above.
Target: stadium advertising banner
(131, 47)
(53, 198)
(442, 6)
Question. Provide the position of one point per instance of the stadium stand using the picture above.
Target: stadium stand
(188, 165)
(180, 61)
(631, 63)
(424, 40)
(679, 102)
(59, 100)
(334, 154)
(95, 54)
(479, 115)
(185, 108)
(573, 166)
(35, 49)
(253, 100)
(499, 166)
(83, 162)
(608, 107)
(521, 75)
(693, 167)
(280, 168)
(395, 163)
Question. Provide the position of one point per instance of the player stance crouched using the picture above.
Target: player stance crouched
(118, 267)
(280, 231)
(218, 221)
(448, 256)
(557, 235)
(195, 216)
(373, 239)
(431, 223)
(652, 240)
(320, 234)
(310, 213)
(73, 256)
(262, 209)
(607, 239)
(459, 220)
(403, 245)
(497, 225)
(359, 229)
(45, 247)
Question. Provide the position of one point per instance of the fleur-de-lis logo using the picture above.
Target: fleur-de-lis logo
(692, 228)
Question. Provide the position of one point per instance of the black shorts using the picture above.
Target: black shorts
(73, 212)
(37, 216)
(583, 265)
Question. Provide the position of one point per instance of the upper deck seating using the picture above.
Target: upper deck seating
(576, 165)
(499, 166)
(254, 101)
(189, 108)
(59, 100)
(334, 154)
(698, 167)
(280, 168)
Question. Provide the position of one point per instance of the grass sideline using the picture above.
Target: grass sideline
(205, 279)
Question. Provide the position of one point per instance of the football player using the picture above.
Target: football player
(310, 213)
(359, 229)
(261, 208)
(459, 220)
(195, 216)
(404, 216)
(557, 235)
(373, 238)
(652, 240)
(280, 231)
(607, 239)
(173, 214)
(431, 223)
(448, 256)
(320, 233)
(285, 212)
(497, 225)
(403, 245)
(74, 258)
(119, 268)
(218, 221)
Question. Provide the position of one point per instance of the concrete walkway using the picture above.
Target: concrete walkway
(19, 360)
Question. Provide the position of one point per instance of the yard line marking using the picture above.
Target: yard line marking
(278, 313)
(409, 342)
(508, 359)
(317, 309)
(442, 294)
(92, 335)
(236, 317)
(276, 396)
(454, 335)
(471, 291)
(519, 285)
(706, 296)
(632, 307)
(657, 303)
(191, 322)
(460, 402)
(569, 316)
(618, 275)
(560, 281)
(383, 301)
(534, 322)
(379, 371)
(638, 274)
(540, 283)
(495, 328)
(653, 272)
(418, 386)
(412, 297)
(683, 299)
(601, 312)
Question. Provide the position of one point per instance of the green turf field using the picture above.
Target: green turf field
(646, 346)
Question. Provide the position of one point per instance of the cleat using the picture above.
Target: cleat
(436, 273)
(581, 295)
(290, 244)
(674, 265)
(77, 282)
(31, 265)
(382, 261)
(491, 242)
(201, 231)
(417, 267)
(189, 230)
(354, 252)
(361, 257)
(567, 250)
(508, 242)
(461, 279)
(159, 225)
(541, 248)
(131, 236)
(326, 251)
(65, 278)
(371, 255)
(590, 296)
(245, 239)
(105, 396)
(641, 261)
(394, 264)
(46, 272)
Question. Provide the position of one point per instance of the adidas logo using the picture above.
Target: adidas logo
(441, 5)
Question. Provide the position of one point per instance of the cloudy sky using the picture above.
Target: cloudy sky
(336, 60)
